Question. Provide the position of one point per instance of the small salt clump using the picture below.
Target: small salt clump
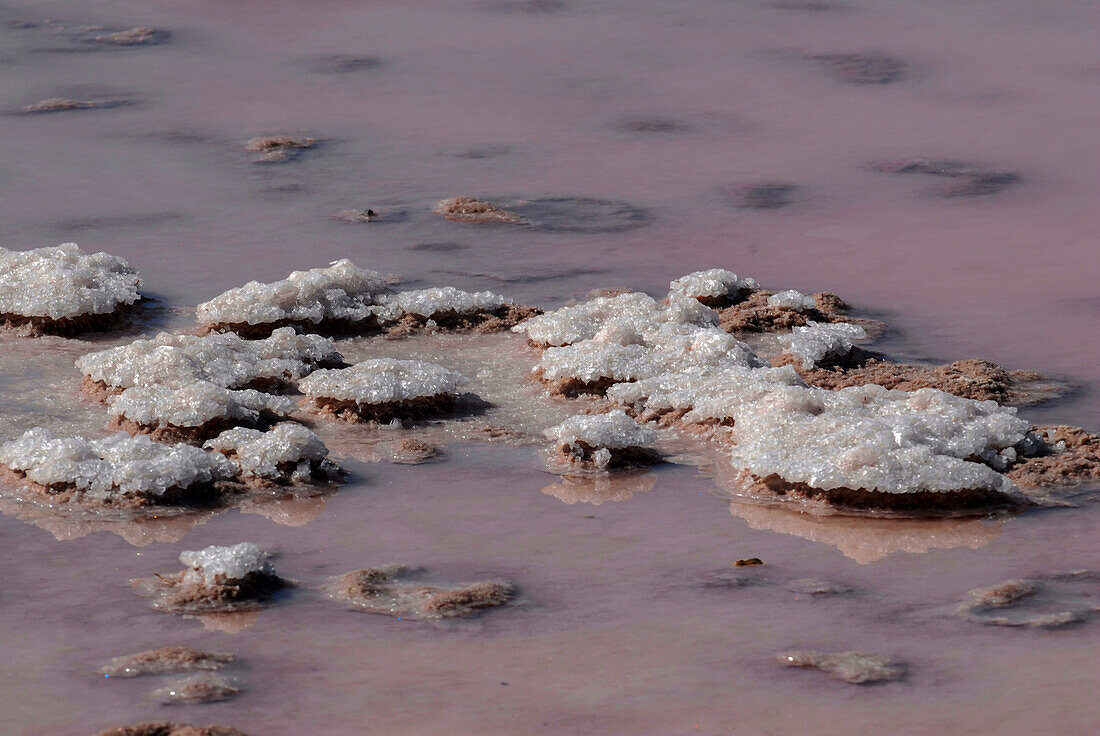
(591, 366)
(603, 440)
(569, 325)
(216, 579)
(792, 299)
(714, 287)
(62, 289)
(206, 687)
(816, 343)
(214, 564)
(340, 297)
(431, 303)
(287, 452)
(224, 360)
(114, 469)
(382, 389)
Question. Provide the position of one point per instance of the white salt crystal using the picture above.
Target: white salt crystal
(63, 281)
(194, 404)
(815, 342)
(382, 381)
(225, 564)
(791, 299)
(714, 283)
(259, 454)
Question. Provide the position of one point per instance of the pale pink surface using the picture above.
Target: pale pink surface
(618, 637)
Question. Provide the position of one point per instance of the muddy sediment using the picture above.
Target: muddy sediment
(384, 590)
(187, 593)
(207, 687)
(165, 660)
(1047, 602)
(471, 209)
(857, 668)
(500, 319)
(278, 148)
(753, 314)
(348, 410)
(581, 454)
(963, 179)
(34, 326)
(168, 728)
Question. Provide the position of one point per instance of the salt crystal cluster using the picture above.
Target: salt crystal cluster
(287, 451)
(63, 282)
(582, 322)
(222, 359)
(792, 299)
(220, 565)
(438, 301)
(815, 343)
(595, 438)
(383, 381)
(195, 404)
(713, 286)
(114, 465)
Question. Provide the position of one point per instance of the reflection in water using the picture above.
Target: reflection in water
(289, 510)
(597, 489)
(140, 531)
(868, 539)
(227, 623)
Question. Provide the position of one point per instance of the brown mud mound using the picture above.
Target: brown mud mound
(217, 580)
(413, 452)
(165, 660)
(167, 728)
(857, 668)
(67, 326)
(1049, 601)
(204, 688)
(278, 148)
(384, 590)
(501, 319)
(1065, 457)
(964, 180)
(753, 314)
(64, 104)
(816, 587)
(861, 68)
(470, 209)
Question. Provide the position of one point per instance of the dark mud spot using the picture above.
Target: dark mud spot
(376, 216)
(1047, 602)
(339, 64)
(581, 215)
(650, 125)
(438, 247)
(120, 221)
(167, 728)
(65, 104)
(475, 153)
(73, 38)
(763, 196)
(861, 68)
(963, 179)
(815, 587)
(526, 6)
(857, 668)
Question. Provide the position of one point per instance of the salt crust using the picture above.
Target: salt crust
(287, 451)
(442, 300)
(382, 381)
(216, 565)
(222, 359)
(792, 299)
(817, 342)
(63, 282)
(114, 465)
(713, 285)
(195, 404)
(614, 430)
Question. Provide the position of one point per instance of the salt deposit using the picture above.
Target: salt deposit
(817, 343)
(222, 359)
(381, 389)
(438, 301)
(278, 148)
(792, 299)
(387, 590)
(857, 668)
(216, 579)
(165, 660)
(715, 287)
(603, 440)
(116, 470)
(64, 290)
(590, 367)
(569, 325)
(286, 453)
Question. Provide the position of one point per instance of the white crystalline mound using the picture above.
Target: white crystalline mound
(382, 381)
(815, 342)
(63, 281)
(223, 359)
(615, 431)
(714, 283)
(568, 325)
(342, 291)
(791, 299)
(225, 564)
(115, 464)
(677, 347)
(445, 300)
(259, 454)
(591, 361)
(194, 404)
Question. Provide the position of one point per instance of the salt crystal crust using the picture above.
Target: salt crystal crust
(64, 282)
(194, 404)
(714, 283)
(220, 565)
(268, 454)
(383, 381)
(112, 465)
(816, 342)
(792, 299)
(614, 430)
(445, 300)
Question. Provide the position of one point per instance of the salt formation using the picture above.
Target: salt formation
(603, 441)
(573, 324)
(168, 728)
(383, 590)
(165, 660)
(451, 309)
(63, 290)
(116, 471)
(217, 579)
(278, 148)
(224, 360)
(714, 287)
(193, 411)
(1049, 601)
(469, 209)
(207, 687)
(382, 389)
(857, 668)
(286, 453)
(792, 299)
(815, 343)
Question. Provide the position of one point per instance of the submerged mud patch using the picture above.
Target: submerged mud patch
(169, 728)
(1048, 601)
(963, 179)
(165, 660)
(207, 687)
(753, 313)
(857, 668)
(581, 215)
(764, 195)
(338, 63)
(862, 69)
(386, 590)
(278, 148)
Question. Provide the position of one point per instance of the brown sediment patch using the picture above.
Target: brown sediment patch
(164, 660)
(64, 104)
(622, 458)
(1048, 602)
(965, 500)
(486, 321)
(278, 148)
(470, 209)
(749, 562)
(813, 586)
(36, 326)
(862, 68)
(204, 688)
(754, 314)
(381, 590)
(764, 196)
(353, 411)
(572, 388)
(167, 728)
(413, 452)
(340, 63)
(188, 592)
(965, 180)
(1067, 457)
(971, 379)
(857, 668)
(66, 494)
(136, 36)
(98, 391)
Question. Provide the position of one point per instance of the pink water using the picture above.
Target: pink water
(616, 633)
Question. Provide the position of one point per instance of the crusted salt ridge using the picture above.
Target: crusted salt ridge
(381, 381)
(195, 410)
(815, 343)
(436, 301)
(603, 440)
(62, 289)
(288, 452)
(385, 590)
(223, 359)
(792, 299)
(713, 287)
(216, 579)
(117, 469)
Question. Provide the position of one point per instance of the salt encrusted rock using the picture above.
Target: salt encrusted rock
(278, 148)
(857, 668)
(194, 411)
(470, 209)
(207, 687)
(603, 441)
(217, 579)
(1049, 601)
(284, 454)
(714, 287)
(382, 389)
(384, 590)
(1056, 457)
(590, 367)
(820, 343)
(168, 728)
(581, 322)
(224, 360)
(339, 298)
(792, 299)
(451, 309)
(62, 290)
(165, 660)
(117, 471)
